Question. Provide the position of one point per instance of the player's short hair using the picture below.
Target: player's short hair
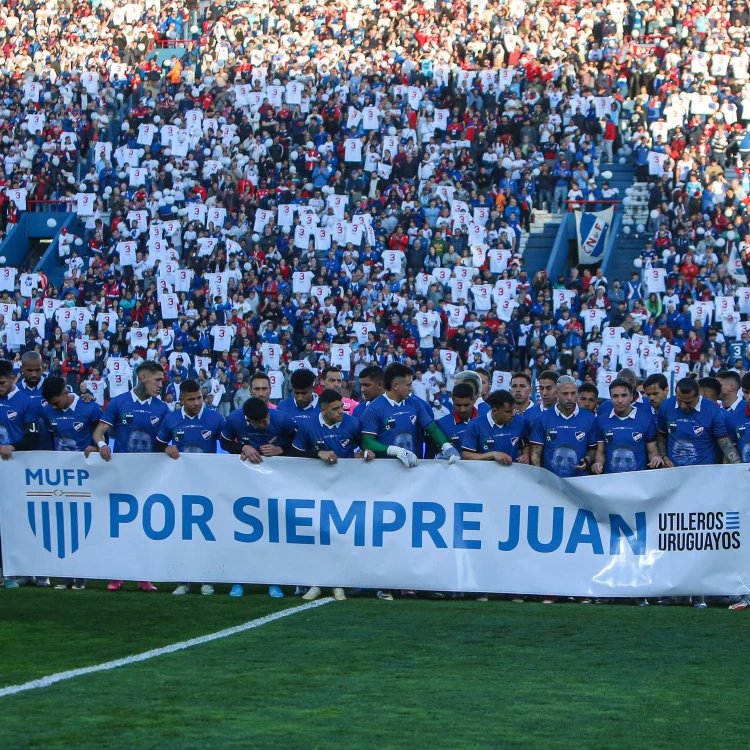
(255, 409)
(621, 383)
(550, 375)
(482, 371)
(301, 380)
(469, 376)
(329, 396)
(713, 384)
(149, 366)
(496, 399)
(328, 369)
(259, 375)
(565, 380)
(374, 373)
(6, 368)
(29, 357)
(588, 388)
(190, 386)
(524, 375)
(396, 370)
(52, 387)
(463, 390)
(746, 382)
(732, 375)
(627, 374)
(688, 386)
(658, 380)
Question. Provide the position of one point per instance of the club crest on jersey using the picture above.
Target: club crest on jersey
(698, 430)
(345, 442)
(637, 437)
(206, 434)
(413, 418)
(12, 414)
(514, 441)
(77, 426)
(154, 420)
(580, 436)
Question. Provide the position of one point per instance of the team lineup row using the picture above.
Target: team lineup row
(559, 433)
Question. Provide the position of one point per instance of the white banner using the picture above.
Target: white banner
(444, 528)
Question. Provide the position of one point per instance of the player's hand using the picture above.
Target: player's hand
(105, 452)
(250, 454)
(582, 466)
(173, 451)
(449, 454)
(271, 450)
(368, 455)
(502, 458)
(667, 463)
(87, 398)
(89, 450)
(407, 458)
(6, 451)
(328, 457)
(597, 468)
(523, 459)
(656, 463)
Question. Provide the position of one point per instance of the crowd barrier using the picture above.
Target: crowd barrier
(468, 527)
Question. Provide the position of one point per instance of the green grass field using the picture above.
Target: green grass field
(370, 674)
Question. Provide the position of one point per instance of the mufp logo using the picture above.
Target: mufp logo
(59, 518)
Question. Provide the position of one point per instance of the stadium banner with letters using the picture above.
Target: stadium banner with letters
(468, 527)
(592, 230)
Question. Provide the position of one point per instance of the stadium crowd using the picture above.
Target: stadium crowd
(325, 198)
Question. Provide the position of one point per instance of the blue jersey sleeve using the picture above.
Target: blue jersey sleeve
(525, 429)
(371, 422)
(424, 417)
(537, 432)
(593, 433)
(719, 427)
(472, 440)
(651, 430)
(301, 442)
(229, 431)
(288, 430)
(220, 424)
(165, 430)
(112, 412)
(661, 418)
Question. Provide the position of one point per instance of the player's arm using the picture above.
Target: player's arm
(729, 450)
(588, 460)
(229, 445)
(536, 454)
(100, 439)
(524, 455)
(370, 443)
(662, 446)
(655, 461)
(600, 459)
(26, 443)
(439, 438)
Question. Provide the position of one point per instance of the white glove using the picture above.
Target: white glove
(406, 457)
(449, 453)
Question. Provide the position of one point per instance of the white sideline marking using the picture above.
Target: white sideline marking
(51, 679)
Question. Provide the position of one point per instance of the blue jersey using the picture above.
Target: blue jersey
(279, 432)
(44, 442)
(640, 403)
(692, 437)
(533, 413)
(359, 409)
(289, 407)
(73, 428)
(135, 423)
(453, 429)
(625, 439)
(485, 436)
(565, 441)
(196, 434)
(738, 421)
(315, 435)
(16, 412)
(399, 424)
(735, 417)
(482, 407)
